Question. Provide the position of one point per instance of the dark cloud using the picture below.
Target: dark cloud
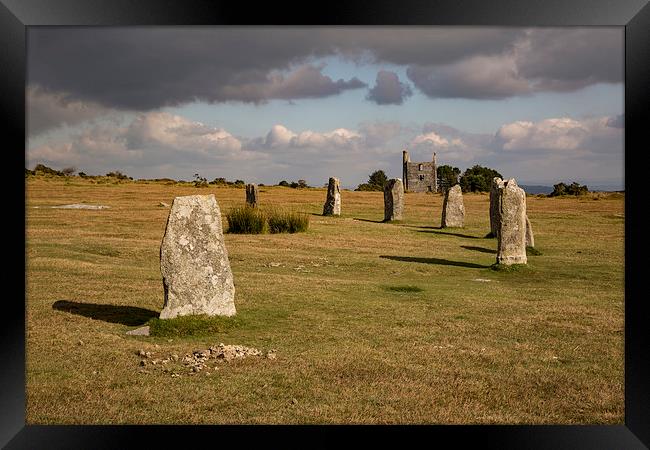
(148, 68)
(388, 90)
(616, 121)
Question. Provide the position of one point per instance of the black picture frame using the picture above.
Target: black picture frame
(17, 15)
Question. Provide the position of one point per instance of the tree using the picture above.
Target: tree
(376, 182)
(302, 184)
(378, 178)
(478, 179)
(572, 189)
(200, 181)
(283, 183)
(69, 171)
(448, 175)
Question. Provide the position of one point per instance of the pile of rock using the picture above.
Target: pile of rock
(199, 360)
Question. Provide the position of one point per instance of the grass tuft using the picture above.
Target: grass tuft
(199, 325)
(508, 268)
(407, 288)
(283, 221)
(246, 220)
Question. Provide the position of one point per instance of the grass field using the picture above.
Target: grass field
(371, 322)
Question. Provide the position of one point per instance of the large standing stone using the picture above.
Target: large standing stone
(530, 238)
(494, 206)
(453, 209)
(393, 199)
(251, 194)
(511, 247)
(194, 261)
(332, 205)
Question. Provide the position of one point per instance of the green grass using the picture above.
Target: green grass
(407, 288)
(199, 325)
(283, 221)
(246, 220)
(541, 345)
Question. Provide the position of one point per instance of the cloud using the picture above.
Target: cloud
(144, 69)
(388, 90)
(432, 139)
(556, 60)
(281, 137)
(480, 77)
(558, 134)
(150, 139)
(157, 144)
(49, 110)
(170, 131)
(616, 121)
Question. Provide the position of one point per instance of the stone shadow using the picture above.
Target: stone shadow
(479, 249)
(435, 230)
(442, 262)
(368, 220)
(126, 315)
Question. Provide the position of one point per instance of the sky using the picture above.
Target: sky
(264, 104)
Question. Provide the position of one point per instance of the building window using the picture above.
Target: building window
(421, 177)
(420, 167)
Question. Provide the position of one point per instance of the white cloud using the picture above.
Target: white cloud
(176, 132)
(432, 139)
(549, 134)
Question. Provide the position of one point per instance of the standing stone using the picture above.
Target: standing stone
(511, 247)
(530, 238)
(393, 199)
(194, 261)
(332, 205)
(251, 195)
(494, 206)
(453, 209)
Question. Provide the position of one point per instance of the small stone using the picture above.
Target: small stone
(141, 352)
(147, 354)
(142, 331)
(143, 362)
(80, 342)
(174, 357)
(294, 401)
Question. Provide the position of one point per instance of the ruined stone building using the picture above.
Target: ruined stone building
(419, 176)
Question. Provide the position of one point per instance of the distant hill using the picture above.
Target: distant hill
(530, 189)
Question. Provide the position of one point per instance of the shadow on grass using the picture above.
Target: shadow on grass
(442, 262)
(368, 220)
(479, 249)
(435, 230)
(126, 315)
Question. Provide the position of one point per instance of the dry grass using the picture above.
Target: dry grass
(542, 345)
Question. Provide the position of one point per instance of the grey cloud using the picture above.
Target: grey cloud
(49, 110)
(616, 121)
(388, 90)
(567, 59)
(476, 78)
(148, 68)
